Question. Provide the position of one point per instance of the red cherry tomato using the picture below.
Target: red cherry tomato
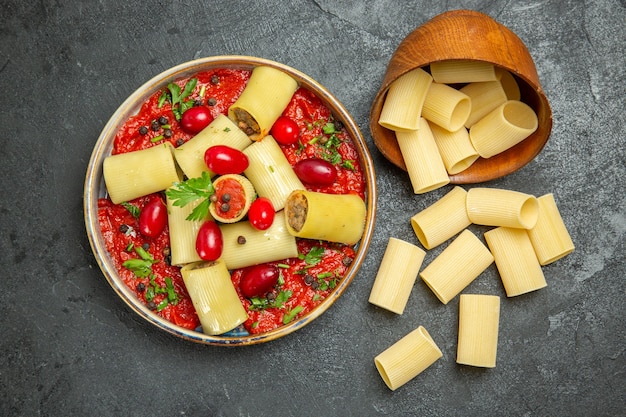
(223, 159)
(285, 131)
(315, 171)
(261, 213)
(259, 280)
(195, 119)
(153, 218)
(209, 242)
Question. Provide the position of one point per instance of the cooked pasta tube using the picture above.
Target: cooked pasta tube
(457, 266)
(501, 129)
(213, 296)
(509, 84)
(332, 217)
(221, 131)
(516, 260)
(479, 317)
(396, 275)
(270, 172)
(245, 246)
(138, 173)
(183, 233)
(499, 207)
(462, 71)
(455, 148)
(405, 98)
(233, 196)
(421, 156)
(446, 107)
(407, 358)
(485, 97)
(550, 237)
(442, 219)
(262, 101)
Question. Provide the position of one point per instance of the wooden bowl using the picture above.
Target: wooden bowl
(95, 189)
(468, 35)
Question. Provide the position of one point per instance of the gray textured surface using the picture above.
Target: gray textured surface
(70, 347)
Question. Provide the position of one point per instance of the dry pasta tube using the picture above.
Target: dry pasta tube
(221, 131)
(457, 266)
(462, 71)
(509, 84)
(499, 207)
(485, 97)
(396, 275)
(264, 99)
(213, 296)
(138, 173)
(550, 237)
(183, 233)
(246, 246)
(233, 196)
(503, 128)
(407, 358)
(404, 101)
(447, 107)
(455, 148)
(270, 172)
(422, 159)
(442, 219)
(479, 316)
(516, 260)
(332, 217)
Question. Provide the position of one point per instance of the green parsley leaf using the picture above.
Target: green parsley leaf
(291, 314)
(329, 128)
(183, 193)
(132, 209)
(140, 267)
(314, 256)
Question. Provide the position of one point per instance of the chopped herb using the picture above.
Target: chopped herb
(314, 256)
(348, 164)
(177, 98)
(329, 128)
(142, 266)
(282, 265)
(291, 314)
(157, 139)
(132, 209)
(183, 193)
(226, 129)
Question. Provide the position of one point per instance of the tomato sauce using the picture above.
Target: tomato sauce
(305, 280)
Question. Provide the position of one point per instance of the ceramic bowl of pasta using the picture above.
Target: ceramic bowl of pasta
(467, 88)
(230, 200)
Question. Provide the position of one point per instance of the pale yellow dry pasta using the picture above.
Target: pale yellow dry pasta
(446, 106)
(485, 97)
(479, 317)
(422, 159)
(457, 266)
(261, 246)
(270, 172)
(501, 129)
(332, 217)
(407, 358)
(249, 194)
(263, 100)
(442, 219)
(516, 260)
(455, 148)
(462, 71)
(509, 84)
(138, 173)
(403, 105)
(550, 237)
(396, 275)
(221, 131)
(183, 232)
(500, 207)
(213, 296)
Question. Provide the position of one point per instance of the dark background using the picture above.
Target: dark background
(70, 347)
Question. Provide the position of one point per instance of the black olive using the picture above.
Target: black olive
(143, 130)
(151, 305)
(141, 287)
(338, 125)
(124, 228)
(215, 80)
(308, 279)
(347, 261)
(225, 197)
(145, 246)
(163, 120)
(167, 133)
(225, 207)
(212, 101)
(155, 126)
(315, 285)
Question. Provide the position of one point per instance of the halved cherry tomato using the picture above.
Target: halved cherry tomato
(259, 280)
(285, 131)
(315, 171)
(223, 159)
(261, 213)
(209, 242)
(195, 119)
(153, 218)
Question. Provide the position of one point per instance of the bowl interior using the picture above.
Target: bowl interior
(95, 189)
